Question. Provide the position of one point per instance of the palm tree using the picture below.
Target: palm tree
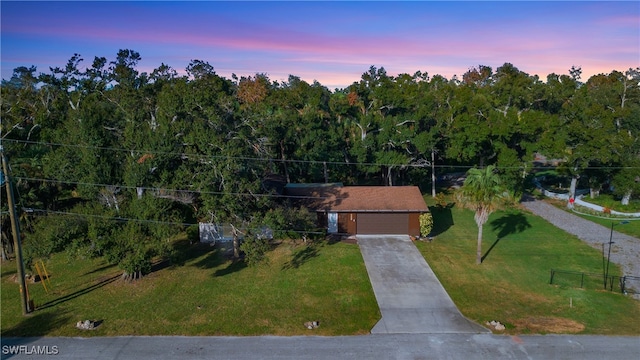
(483, 193)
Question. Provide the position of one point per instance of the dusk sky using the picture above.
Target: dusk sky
(331, 42)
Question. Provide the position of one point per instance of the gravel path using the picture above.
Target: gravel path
(625, 250)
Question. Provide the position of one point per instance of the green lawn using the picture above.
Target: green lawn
(208, 295)
(512, 283)
(611, 202)
(632, 227)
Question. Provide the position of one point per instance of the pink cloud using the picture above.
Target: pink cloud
(624, 20)
(317, 49)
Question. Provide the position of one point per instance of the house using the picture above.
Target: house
(362, 209)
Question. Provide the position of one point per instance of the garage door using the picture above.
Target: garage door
(383, 223)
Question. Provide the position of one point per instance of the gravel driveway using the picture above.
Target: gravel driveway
(625, 250)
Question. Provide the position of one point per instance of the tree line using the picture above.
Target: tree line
(95, 147)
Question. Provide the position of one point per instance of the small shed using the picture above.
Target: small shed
(363, 209)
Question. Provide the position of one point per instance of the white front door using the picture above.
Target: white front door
(332, 220)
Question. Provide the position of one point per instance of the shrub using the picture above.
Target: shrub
(426, 224)
(254, 248)
(193, 234)
(441, 200)
(52, 234)
(136, 264)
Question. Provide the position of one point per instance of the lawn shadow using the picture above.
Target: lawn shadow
(301, 257)
(532, 196)
(489, 250)
(442, 219)
(510, 223)
(104, 267)
(212, 256)
(37, 324)
(75, 294)
(506, 225)
(160, 265)
(234, 266)
(9, 273)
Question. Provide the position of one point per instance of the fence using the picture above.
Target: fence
(623, 284)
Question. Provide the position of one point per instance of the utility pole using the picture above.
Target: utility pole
(326, 173)
(606, 274)
(433, 173)
(15, 228)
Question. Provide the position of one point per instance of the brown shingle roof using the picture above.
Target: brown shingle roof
(360, 198)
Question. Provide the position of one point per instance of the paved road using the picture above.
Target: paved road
(410, 297)
(625, 250)
(370, 347)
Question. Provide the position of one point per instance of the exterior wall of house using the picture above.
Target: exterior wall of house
(322, 219)
(352, 226)
(414, 224)
(348, 222)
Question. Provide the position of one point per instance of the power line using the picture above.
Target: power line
(114, 218)
(317, 162)
(170, 191)
(126, 219)
(206, 157)
(246, 158)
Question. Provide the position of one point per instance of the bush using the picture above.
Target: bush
(52, 234)
(193, 234)
(441, 200)
(289, 222)
(426, 224)
(132, 249)
(135, 264)
(254, 248)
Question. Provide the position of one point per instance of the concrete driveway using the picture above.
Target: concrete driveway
(410, 297)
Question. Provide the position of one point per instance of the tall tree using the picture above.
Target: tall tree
(592, 128)
(21, 103)
(123, 69)
(483, 193)
(627, 181)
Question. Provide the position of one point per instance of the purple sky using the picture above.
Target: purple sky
(332, 42)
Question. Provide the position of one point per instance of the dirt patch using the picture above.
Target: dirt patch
(350, 240)
(335, 238)
(548, 324)
(29, 279)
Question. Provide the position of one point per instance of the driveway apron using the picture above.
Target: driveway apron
(410, 297)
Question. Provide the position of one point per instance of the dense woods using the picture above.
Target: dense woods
(112, 162)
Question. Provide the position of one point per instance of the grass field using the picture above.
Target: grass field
(611, 202)
(512, 283)
(208, 295)
(631, 227)
(211, 295)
